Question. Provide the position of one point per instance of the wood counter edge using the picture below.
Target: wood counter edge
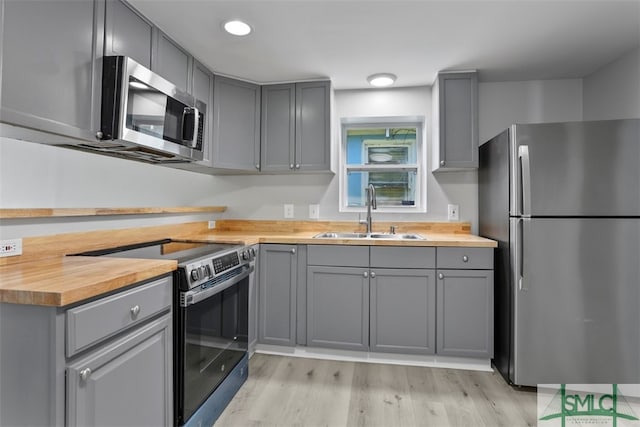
(74, 212)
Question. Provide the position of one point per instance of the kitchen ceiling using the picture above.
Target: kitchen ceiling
(348, 40)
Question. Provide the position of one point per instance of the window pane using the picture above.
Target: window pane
(393, 188)
(381, 146)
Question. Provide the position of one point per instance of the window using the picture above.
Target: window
(387, 154)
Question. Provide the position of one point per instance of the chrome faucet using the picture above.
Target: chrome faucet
(371, 204)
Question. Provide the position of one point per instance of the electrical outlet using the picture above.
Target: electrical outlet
(11, 247)
(314, 211)
(212, 225)
(454, 212)
(288, 211)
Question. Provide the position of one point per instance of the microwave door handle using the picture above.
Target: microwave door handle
(192, 140)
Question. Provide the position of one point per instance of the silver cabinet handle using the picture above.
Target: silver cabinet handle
(297, 165)
(441, 162)
(257, 165)
(373, 274)
(293, 251)
(365, 274)
(291, 166)
(85, 374)
(440, 276)
(135, 310)
(465, 258)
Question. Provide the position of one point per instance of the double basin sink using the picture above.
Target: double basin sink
(387, 236)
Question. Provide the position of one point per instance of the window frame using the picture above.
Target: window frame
(418, 123)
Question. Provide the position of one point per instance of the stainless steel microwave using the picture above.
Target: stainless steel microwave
(145, 117)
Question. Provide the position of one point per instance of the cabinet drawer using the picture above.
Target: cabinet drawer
(403, 257)
(465, 258)
(92, 322)
(337, 255)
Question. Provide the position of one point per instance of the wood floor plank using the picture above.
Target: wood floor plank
(289, 391)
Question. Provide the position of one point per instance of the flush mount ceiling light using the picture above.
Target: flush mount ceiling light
(381, 79)
(237, 28)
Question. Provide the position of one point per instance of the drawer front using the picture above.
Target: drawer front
(337, 255)
(465, 258)
(91, 323)
(403, 257)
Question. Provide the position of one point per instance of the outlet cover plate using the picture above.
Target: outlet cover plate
(314, 211)
(11, 247)
(453, 212)
(288, 211)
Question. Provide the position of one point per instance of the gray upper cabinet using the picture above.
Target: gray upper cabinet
(295, 130)
(202, 90)
(48, 65)
(236, 125)
(172, 62)
(278, 128)
(313, 126)
(127, 33)
(277, 294)
(455, 121)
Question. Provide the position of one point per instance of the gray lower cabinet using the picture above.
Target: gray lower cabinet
(253, 305)
(277, 295)
(465, 302)
(403, 310)
(48, 51)
(236, 125)
(338, 307)
(455, 107)
(127, 382)
(127, 32)
(295, 128)
(105, 362)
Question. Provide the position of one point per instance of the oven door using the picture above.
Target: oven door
(211, 338)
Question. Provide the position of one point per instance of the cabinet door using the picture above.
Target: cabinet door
(403, 311)
(127, 33)
(278, 127)
(277, 294)
(338, 307)
(172, 62)
(236, 127)
(465, 313)
(457, 127)
(128, 382)
(48, 66)
(253, 306)
(313, 126)
(202, 90)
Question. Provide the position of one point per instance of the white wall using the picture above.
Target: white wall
(34, 175)
(537, 101)
(613, 92)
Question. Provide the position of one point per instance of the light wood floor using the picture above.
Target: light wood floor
(288, 391)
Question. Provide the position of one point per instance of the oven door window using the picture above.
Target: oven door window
(215, 341)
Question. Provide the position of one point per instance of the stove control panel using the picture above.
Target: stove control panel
(207, 269)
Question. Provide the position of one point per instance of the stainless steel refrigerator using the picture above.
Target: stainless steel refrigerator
(563, 202)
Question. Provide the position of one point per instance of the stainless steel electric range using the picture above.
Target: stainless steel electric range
(211, 294)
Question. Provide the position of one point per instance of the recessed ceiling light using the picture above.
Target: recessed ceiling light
(381, 79)
(237, 28)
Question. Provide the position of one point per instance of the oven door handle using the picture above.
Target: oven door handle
(193, 297)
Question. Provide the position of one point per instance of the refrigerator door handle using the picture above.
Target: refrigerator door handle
(523, 155)
(523, 226)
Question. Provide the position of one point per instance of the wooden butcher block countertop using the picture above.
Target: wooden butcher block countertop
(44, 275)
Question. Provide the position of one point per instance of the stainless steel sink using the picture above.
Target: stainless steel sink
(397, 236)
(340, 235)
(334, 235)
